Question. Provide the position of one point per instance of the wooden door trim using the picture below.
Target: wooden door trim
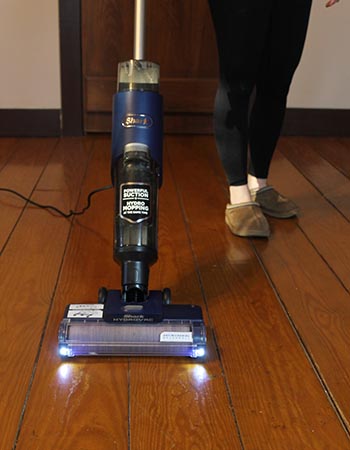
(71, 68)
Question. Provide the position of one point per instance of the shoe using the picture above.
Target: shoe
(247, 220)
(274, 204)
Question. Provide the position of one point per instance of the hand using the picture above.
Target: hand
(331, 3)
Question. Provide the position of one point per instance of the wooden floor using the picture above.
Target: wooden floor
(278, 311)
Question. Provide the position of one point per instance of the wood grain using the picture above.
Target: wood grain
(277, 376)
(325, 175)
(179, 36)
(178, 403)
(29, 268)
(324, 226)
(23, 169)
(336, 152)
(81, 404)
(105, 399)
(7, 147)
(277, 397)
(311, 281)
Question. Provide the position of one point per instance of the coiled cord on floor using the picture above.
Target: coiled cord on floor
(53, 208)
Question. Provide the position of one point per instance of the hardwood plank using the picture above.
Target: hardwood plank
(275, 392)
(158, 388)
(7, 147)
(90, 397)
(22, 171)
(336, 152)
(303, 154)
(276, 397)
(315, 299)
(29, 268)
(343, 153)
(328, 230)
(179, 403)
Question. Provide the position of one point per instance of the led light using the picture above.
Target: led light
(64, 351)
(198, 352)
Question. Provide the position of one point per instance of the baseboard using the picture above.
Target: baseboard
(30, 122)
(316, 122)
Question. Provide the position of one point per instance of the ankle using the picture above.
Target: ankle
(255, 183)
(239, 194)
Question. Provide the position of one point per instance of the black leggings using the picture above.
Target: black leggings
(260, 43)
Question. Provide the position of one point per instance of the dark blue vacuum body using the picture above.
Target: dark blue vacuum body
(137, 140)
(138, 117)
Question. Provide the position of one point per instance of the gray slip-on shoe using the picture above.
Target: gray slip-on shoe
(246, 220)
(274, 204)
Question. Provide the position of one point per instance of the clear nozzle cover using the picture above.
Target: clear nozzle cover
(138, 75)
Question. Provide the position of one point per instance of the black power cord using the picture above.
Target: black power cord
(53, 208)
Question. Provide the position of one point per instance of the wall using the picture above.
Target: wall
(322, 79)
(29, 54)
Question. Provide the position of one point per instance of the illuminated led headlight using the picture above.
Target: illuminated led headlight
(199, 352)
(65, 351)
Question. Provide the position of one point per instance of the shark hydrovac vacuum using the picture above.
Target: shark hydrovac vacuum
(134, 320)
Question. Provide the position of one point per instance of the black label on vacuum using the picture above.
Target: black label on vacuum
(135, 202)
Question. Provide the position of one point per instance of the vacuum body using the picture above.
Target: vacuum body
(135, 320)
(136, 173)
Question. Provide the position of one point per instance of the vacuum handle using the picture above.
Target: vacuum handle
(139, 29)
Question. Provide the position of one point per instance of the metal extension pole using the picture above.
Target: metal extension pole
(139, 29)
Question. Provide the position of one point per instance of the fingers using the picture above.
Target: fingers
(331, 3)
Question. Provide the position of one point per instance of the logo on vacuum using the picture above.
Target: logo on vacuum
(135, 202)
(137, 121)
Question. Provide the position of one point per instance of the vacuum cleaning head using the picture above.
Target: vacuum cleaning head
(132, 329)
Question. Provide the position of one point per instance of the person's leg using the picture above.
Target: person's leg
(287, 32)
(288, 27)
(241, 29)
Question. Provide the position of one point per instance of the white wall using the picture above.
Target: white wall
(323, 77)
(29, 54)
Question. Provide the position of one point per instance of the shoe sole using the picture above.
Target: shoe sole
(286, 215)
(257, 233)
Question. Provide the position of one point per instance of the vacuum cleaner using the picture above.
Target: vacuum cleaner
(135, 320)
